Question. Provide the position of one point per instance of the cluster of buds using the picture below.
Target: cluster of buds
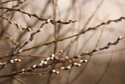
(2, 64)
(15, 60)
(17, 25)
(54, 71)
(105, 23)
(32, 36)
(77, 64)
(98, 49)
(43, 62)
(20, 27)
(53, 21)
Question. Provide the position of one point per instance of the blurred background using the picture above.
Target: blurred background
(104, 67)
